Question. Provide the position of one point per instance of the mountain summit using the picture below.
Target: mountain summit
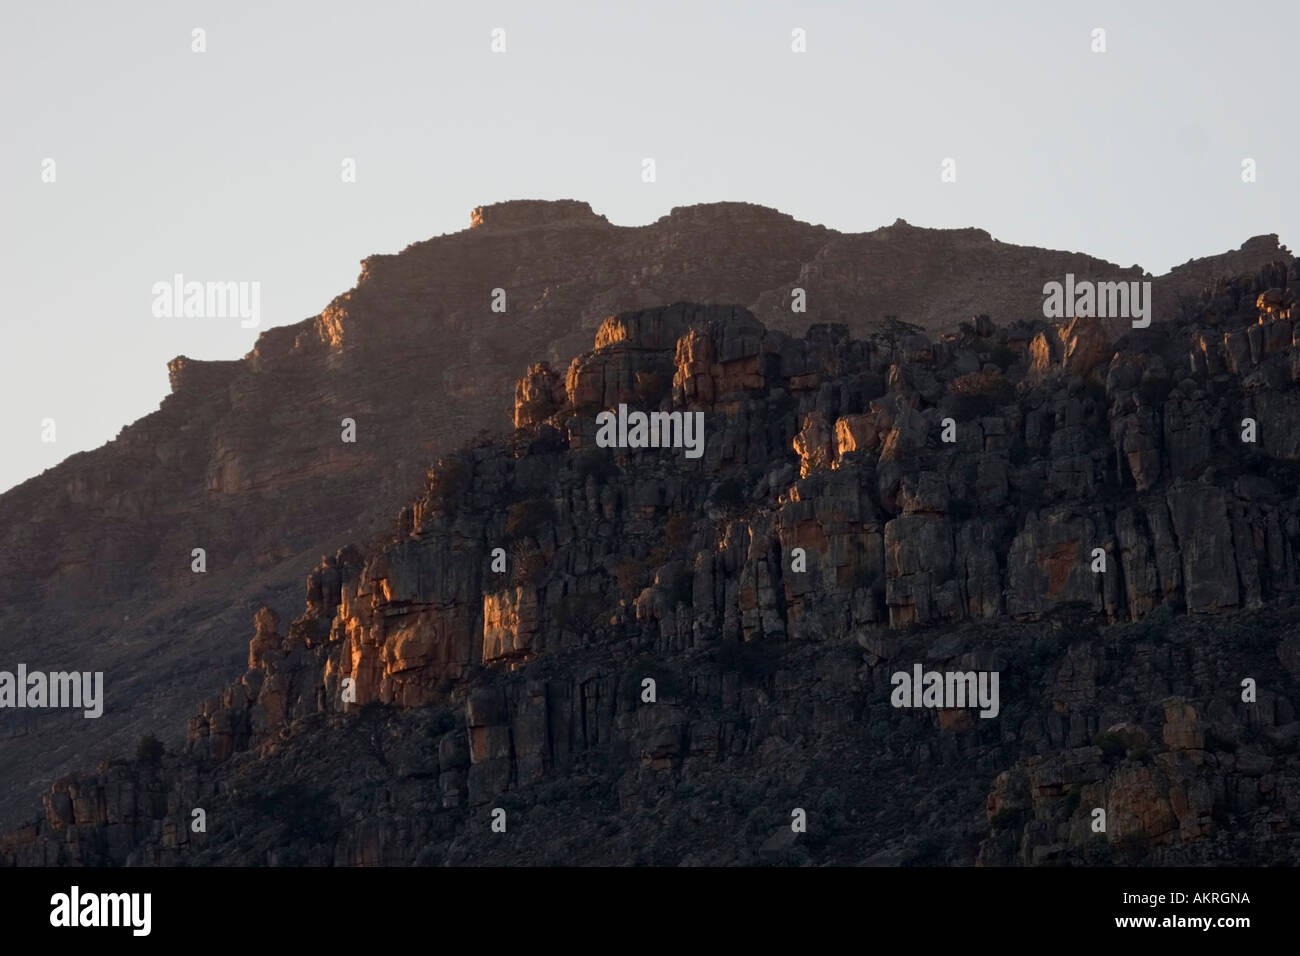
(246, 459)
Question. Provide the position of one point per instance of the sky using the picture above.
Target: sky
(227, 164)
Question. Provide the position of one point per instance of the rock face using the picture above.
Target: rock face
(246, 459)
(632, 651)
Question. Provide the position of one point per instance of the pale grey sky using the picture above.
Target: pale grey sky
(226, 164)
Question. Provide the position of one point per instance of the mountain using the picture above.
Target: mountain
(641, 656)
(245, 459)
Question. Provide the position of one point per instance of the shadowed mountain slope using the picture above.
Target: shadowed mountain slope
(245, 460)
(670, 655)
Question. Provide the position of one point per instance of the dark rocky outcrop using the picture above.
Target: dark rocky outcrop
(245, 459)
(1098, 533)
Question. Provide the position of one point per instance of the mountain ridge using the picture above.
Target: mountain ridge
(522, 687)
(243, 458)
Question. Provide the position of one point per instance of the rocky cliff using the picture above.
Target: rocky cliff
(245, 459)
(640, 656)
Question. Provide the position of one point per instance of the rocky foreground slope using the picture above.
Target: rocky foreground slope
(245, 459)
(1087, 517)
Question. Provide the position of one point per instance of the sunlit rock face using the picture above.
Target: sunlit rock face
(604, 639)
